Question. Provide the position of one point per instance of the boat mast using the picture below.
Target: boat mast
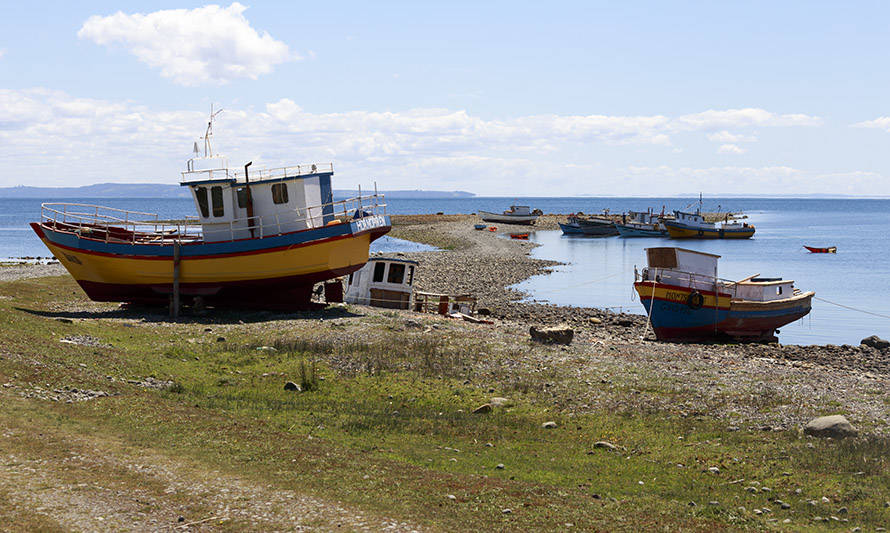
(208, 149)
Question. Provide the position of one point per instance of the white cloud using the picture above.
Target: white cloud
(2, 52)
(742, 118)
(208, 44)
(727, 137)
(52, 138)
(730, 149)
(882, 123)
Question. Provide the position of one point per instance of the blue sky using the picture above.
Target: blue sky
(499, 98)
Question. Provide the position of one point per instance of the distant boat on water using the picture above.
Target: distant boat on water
(596, 226)
(686, 300)
(694, 226)
(517, 214)
(827, 250)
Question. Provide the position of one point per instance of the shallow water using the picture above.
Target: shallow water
(599, 271)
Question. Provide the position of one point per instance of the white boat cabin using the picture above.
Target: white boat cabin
(383, 282)
(681, 267)
(242, 205)
(256, 203)
(519, 210)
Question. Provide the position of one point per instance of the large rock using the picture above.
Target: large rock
(835, 426)
(552, 335)
(876, 342)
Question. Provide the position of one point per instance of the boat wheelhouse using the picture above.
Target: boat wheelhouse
(686, 300)
(383, 282)
(261, 238)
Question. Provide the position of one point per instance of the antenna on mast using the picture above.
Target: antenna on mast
(208, 149)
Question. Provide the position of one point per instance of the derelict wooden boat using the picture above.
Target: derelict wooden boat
(261, 242)
(828, 250)
(685, 300)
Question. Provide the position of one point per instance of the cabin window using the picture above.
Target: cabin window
(378, 272)
(242, 197)
(217, 199)
(350, 280)
(779, 290)
(201, 195)
(279, 193)
(410, 274)
(396, 273)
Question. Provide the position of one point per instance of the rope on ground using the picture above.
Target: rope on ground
(851, 308)
(649, 313)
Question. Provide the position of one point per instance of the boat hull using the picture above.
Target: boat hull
(598, 228)
(570, 229)
(270, 272)
(627, 230)
(682, 231)
(829, 250)
(674, 319)
(525, 220)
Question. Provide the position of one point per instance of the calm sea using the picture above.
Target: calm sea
(599, 271)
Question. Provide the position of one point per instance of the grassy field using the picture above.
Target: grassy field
(383, 426)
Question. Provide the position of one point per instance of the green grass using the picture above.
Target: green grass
(386, 424)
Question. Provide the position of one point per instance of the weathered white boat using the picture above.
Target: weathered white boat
(517, 214)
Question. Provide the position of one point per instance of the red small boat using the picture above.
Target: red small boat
(523, 236)
(829, 250)
(492, 228)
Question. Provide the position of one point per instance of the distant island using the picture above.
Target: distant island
(161, 190)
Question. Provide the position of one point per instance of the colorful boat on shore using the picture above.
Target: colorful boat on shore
(571, 226)
(517, 214)
(641, 224)
(260, 240)
(686, 300)
(826, 250)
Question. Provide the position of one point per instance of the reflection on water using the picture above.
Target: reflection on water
(599, 272)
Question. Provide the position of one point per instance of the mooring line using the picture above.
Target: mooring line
(851, 308)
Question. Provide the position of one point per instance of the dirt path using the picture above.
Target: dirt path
(53, 478)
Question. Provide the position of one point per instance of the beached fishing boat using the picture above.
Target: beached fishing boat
(645, 224)
(260, 239)
(520, 236)
(686, 300)
(827, 250)
(517, 214)
(479, 226)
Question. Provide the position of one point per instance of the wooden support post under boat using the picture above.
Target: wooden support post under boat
(443, 305)
(174, 309)
(249, 199)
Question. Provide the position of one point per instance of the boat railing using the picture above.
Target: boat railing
(695, 280)
(127, 226)
(259, 173)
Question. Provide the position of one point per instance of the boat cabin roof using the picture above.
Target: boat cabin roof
(681, 258)
(394, 260)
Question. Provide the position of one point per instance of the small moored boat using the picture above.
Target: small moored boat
(694, 226)
(828, 250)
(521, 236)
(686, 300)
(517, 214)
(637, 224)
(480, 226)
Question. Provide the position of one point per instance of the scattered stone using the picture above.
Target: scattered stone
(152, 383)
(594, 320)
(500, 466)
(714, 470)
(220, 339)
(842, 510)
(785, 505)
(497, 401)
(752, 490)
(875, 342)
(506, 511)
(484, 408)
(290, 385)
(713, 503)
(605, 445)
(552, 335)
(267, 349)
(835, 426)
(549, 425)
(452, 497)
(825, 499)
(413, 324)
